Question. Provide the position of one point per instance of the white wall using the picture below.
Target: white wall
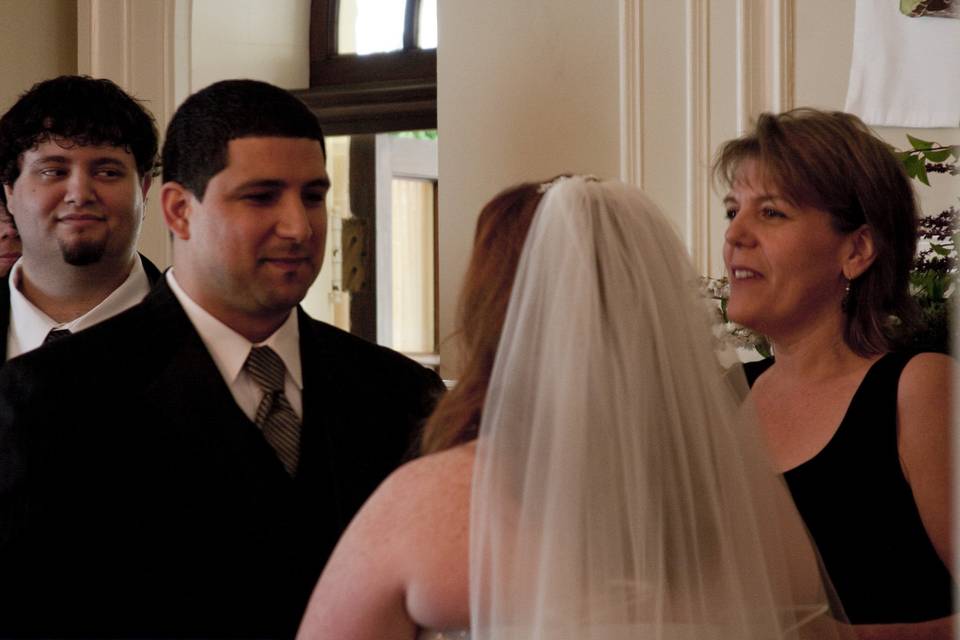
(258, 39)
(38, 40)
(526, 90)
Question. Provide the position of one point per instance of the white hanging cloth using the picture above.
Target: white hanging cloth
(904, 71)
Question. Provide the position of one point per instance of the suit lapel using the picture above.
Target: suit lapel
(188, 397)
(153, 273)
(322, 416)
(4, 315)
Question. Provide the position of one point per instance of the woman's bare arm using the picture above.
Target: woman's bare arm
(925, 443)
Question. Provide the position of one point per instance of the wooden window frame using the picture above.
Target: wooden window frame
(379, 92)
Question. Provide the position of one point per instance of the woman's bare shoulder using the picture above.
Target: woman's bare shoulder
(923, 396)
(421, 504)
(925, 371)
(397, 561)
(421, 482)
(434, 492)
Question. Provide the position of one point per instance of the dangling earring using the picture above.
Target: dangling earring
(845, 303)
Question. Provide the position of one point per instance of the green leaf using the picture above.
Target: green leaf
(922, 173)
(937, 156)
(913, 165)
(919, 144)
(940, 250)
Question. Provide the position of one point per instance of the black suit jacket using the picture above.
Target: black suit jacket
(153, 275)
(136, 499)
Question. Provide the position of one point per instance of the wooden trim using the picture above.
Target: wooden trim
(410, 25)
(323, 30)
(373, 107)
(436, 268)
(416, 64)
(363, 186)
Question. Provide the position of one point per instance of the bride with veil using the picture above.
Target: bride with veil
(593, 474)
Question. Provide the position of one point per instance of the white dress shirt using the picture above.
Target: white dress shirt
(229, 351)
(29, 325)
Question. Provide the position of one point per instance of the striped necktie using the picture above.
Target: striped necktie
(275, 417)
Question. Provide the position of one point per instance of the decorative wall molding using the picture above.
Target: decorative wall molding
(766, 42)
(631, 92)
(177, 58)
(698, 151)
(103, 49)
(785, 35)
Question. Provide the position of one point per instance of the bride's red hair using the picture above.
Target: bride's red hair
(501, 231)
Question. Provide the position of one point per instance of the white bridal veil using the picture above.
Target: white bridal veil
(619, 490)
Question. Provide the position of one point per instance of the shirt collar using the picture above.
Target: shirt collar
(130, 292)
(32, 325)
(229, 349)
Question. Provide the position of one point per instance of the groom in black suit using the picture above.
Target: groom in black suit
(185, 468)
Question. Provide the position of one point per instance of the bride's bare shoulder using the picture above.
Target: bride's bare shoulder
(436, 483)
(409, 537)
(422, 514)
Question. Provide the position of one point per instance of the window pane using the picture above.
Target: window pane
(427, 29)
(370, 26)
(421, 134)
(413, 260)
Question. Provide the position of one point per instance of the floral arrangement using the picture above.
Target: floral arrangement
(932, 278)
(730, 334)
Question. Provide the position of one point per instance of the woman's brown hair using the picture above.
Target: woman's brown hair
(501, 231)
(833, 162)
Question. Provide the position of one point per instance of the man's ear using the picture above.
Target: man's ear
(859, 252)
(177, 204)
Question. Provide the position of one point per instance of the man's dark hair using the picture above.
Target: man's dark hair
(195, 148)
(77, 110)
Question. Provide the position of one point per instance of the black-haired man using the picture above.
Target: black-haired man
(202, 495)
(76, 159)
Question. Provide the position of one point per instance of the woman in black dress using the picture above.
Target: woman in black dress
(821, 237)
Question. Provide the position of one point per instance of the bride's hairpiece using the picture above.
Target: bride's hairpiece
(549, 183)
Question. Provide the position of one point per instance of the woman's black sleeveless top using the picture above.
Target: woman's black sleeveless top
(858, 507)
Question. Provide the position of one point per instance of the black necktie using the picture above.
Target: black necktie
(56, 334)
(275, 417)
